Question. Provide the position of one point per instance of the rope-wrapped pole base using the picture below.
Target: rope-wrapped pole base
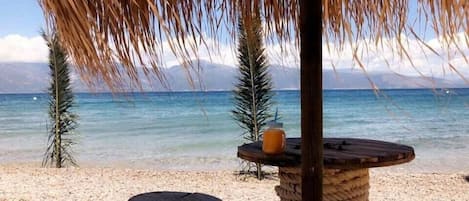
(338, 185)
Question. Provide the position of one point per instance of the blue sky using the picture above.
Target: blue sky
(22, 17)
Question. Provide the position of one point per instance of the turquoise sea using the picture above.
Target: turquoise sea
(194, 130)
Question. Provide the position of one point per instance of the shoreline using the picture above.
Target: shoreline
(30, 183)
(416, 166)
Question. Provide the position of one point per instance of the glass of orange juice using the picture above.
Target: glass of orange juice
(274, 138)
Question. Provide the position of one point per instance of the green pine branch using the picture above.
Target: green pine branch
(62, 120)
(252, 93)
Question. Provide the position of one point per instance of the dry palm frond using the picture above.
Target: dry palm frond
(102, 35)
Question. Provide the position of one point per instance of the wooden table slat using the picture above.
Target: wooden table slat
(354, 153)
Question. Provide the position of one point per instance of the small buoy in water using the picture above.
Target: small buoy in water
(34, 98)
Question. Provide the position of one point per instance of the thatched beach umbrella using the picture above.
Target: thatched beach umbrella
(102, 35)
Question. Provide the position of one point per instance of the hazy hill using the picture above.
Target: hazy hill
(33, 77)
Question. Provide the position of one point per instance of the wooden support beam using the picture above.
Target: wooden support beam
(311, 99)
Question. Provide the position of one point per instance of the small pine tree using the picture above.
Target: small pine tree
(62, 119)
(252, 93)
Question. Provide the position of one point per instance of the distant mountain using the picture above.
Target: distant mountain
(23, 77)
(216, 77)
(33, 78)
(358, 80)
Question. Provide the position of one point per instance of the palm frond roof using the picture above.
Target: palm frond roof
(101, 35)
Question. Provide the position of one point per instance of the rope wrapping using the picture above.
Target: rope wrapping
(338, 185)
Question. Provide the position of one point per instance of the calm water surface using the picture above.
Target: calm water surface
(188, 130)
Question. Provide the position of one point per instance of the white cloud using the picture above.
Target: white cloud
(16, 48)
(386, 59)
(375, 59)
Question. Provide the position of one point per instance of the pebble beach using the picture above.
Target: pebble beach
(31, 183)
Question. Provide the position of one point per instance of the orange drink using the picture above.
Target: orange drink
(274, 139)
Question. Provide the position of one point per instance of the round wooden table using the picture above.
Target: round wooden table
(346, 163)
(173, 196)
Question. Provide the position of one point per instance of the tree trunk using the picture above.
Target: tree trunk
(311, 99)
(259, 171)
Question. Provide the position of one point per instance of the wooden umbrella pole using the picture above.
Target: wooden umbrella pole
(311, 100)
